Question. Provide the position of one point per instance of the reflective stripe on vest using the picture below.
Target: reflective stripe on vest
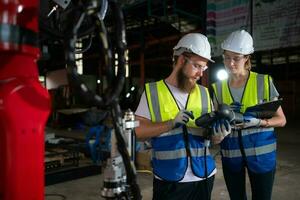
(169, 149)
(251, 131)
(256, 151)
(165, 155)
(191, 130)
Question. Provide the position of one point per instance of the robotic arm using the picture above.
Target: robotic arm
(116, 184)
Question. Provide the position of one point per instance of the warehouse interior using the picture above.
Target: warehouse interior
(78, 130)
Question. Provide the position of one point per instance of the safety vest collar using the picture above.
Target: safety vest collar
(256, 90)
(163, 106)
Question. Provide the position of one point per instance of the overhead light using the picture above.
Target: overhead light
(222, 74)
(132, 88)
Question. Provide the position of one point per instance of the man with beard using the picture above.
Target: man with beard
(182, 166)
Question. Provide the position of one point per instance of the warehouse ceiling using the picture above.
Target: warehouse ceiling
(160, 19)
(153, 27)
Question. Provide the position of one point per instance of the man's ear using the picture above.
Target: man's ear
(182, 60)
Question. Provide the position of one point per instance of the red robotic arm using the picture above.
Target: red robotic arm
(24, 103)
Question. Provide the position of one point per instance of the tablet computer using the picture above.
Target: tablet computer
(270, 106)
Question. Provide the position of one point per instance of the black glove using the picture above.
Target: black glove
(221, 128)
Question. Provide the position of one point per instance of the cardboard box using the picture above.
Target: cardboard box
(143, 160)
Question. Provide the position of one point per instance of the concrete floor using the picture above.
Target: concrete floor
(286, 186)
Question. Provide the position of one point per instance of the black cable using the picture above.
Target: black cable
(242, 149)
(116, 86)
(205, 170)
(111, 97)
(89, 96)
(107, 50)
(119, 80)
(86, 48)
(131, 176)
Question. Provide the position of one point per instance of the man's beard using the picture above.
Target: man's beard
(184, 83)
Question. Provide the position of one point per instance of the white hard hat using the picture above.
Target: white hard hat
(194, 43)
(239, 42)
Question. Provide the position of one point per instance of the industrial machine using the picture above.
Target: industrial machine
(115, 180)
(224, 112)
(24, 103)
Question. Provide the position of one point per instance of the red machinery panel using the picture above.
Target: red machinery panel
(24, 103)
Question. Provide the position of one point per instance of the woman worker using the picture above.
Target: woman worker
(252, 146)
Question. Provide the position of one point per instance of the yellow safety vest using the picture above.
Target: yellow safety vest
(173, 148)
(255, 147)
